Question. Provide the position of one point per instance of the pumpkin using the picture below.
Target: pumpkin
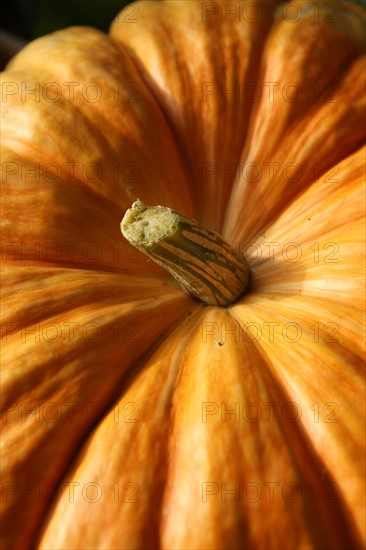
(134, 415)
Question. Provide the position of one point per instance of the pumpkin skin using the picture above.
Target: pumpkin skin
(129, 378)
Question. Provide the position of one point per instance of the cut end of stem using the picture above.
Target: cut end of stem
(143, 225)
(205, 266)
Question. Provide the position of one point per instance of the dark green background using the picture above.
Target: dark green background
(24, 20)
(56, 14)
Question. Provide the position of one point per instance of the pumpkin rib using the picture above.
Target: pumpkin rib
(113, 255)
(150, 539)
(312, 309)
(156, 273)
(316, 270)
(15, 144)
(126, 142)
(295, 110)
(178, 138)
(205, 120)
(42, 314)
(305, 457)
(309, 144)
(43, 467)
(173, 130)
(104, 543)
(130, 307)
(192, 384)
(272, 304)
(77, 182)
(347, 466)
(351, 168)
(84, 443)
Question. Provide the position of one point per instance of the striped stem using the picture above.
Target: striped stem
(199, 259)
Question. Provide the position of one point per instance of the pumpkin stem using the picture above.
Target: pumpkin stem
(204, 265)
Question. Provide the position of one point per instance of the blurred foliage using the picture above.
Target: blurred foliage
(53, 14)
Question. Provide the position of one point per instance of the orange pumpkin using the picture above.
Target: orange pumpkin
(134, 416)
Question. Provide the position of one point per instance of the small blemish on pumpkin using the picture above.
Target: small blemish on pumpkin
(219, 343)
